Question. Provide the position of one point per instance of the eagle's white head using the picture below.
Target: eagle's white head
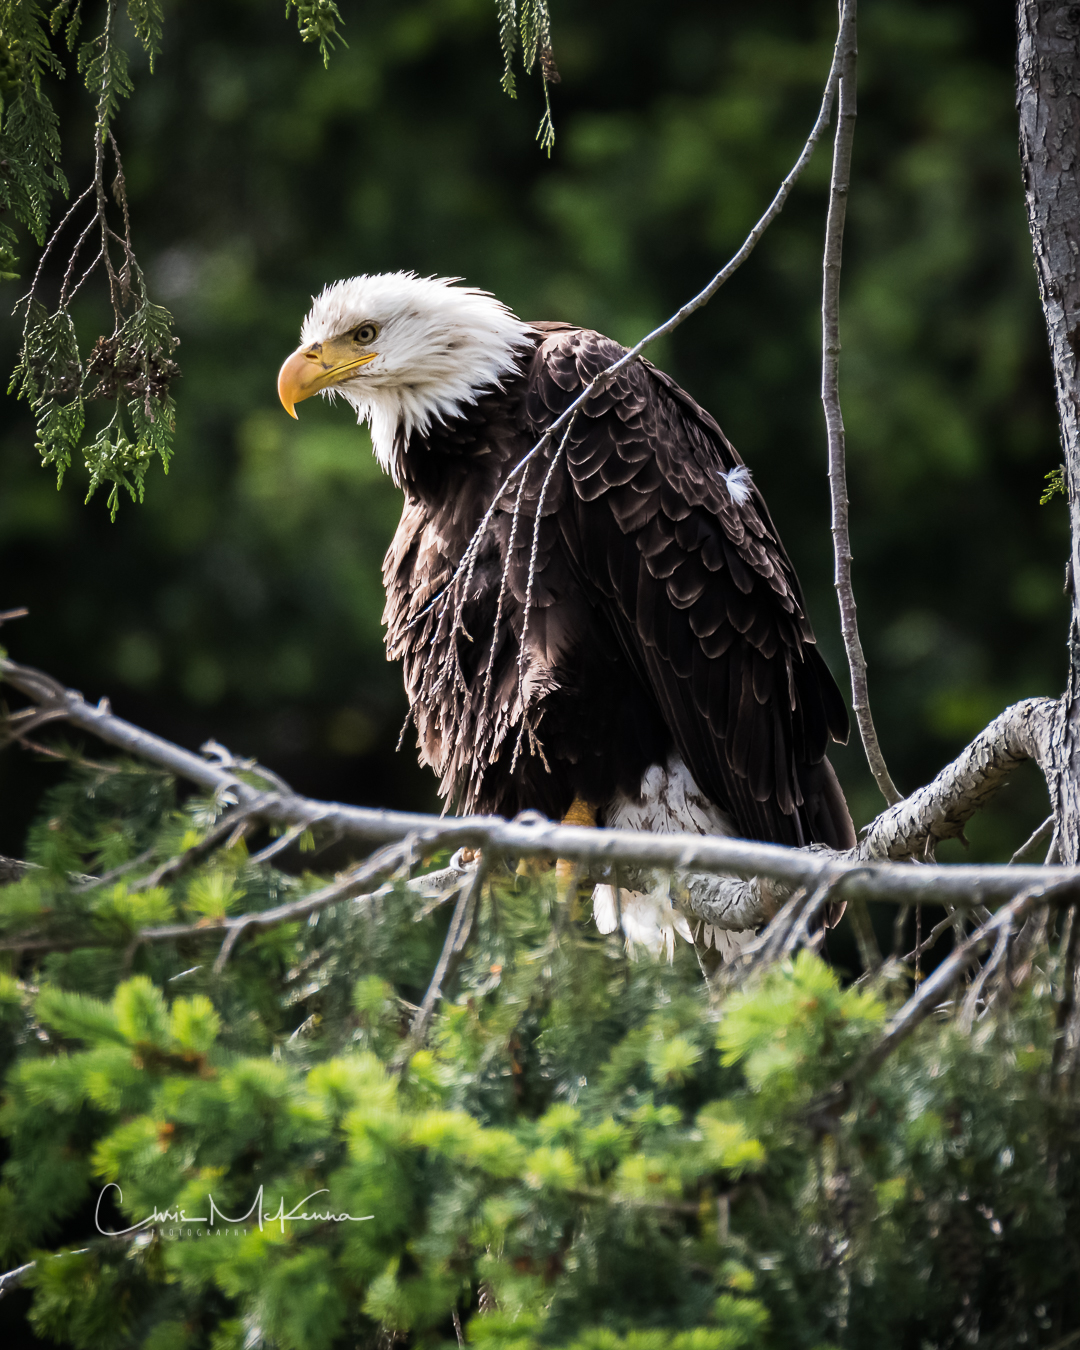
(405, 351)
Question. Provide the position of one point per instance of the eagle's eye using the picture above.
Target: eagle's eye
(367, 332)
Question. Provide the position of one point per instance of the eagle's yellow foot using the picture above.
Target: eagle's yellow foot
(533, 867)
(580, 813)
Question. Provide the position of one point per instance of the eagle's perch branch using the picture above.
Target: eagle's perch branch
(766, 872)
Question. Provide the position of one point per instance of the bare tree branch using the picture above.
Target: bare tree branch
(218, 833)
(360, 880)
(1027, 730)
(846, 47)
(11, 1279)
(729, 883)
(1039, 836)
(937, 984)
(462, 925)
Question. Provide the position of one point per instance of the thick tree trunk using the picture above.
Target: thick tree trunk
(1048, 101)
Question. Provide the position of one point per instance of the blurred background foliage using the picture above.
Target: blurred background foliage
(243, 600)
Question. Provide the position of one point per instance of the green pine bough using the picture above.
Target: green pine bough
(586, 1152)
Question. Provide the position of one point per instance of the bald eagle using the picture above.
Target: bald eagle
(624, 642)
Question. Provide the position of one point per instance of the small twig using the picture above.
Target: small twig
(1031, 938)
(970, 1006)
(830, 397)
(64, 297)
(865, 937)
(115, 872)
(222, 830)
(537, 523)
(280, 845)
(504, 583)
(120, 189)
(922, 946)
(929, 993)
(764, 948)
(21, 725)
(48, 247)
(462, 923)
(231, 939)
(801, 929)
(359, 880)
(1045, 831)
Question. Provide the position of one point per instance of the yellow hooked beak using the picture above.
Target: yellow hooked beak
(310, 369)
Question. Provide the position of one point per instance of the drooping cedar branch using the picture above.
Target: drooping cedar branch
(830, 397)
(731, 883)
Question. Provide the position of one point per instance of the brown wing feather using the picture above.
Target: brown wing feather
(643, 603)
(699, 590)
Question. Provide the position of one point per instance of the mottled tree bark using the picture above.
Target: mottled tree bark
(1048, 101)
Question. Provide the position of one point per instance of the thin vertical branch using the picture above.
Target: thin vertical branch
(830, 397)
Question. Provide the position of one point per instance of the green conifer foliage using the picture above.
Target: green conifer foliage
(132, 368)
(586, 1153)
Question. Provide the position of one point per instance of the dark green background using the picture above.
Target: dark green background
(243, 599)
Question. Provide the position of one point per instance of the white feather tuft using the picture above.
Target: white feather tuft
(670, 802)
(739, 483)
(648, 919)
(439, 346)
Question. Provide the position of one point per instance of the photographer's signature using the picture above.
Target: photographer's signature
(217, 1221)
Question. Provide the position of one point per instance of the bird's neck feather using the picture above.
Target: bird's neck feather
(447, 389)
